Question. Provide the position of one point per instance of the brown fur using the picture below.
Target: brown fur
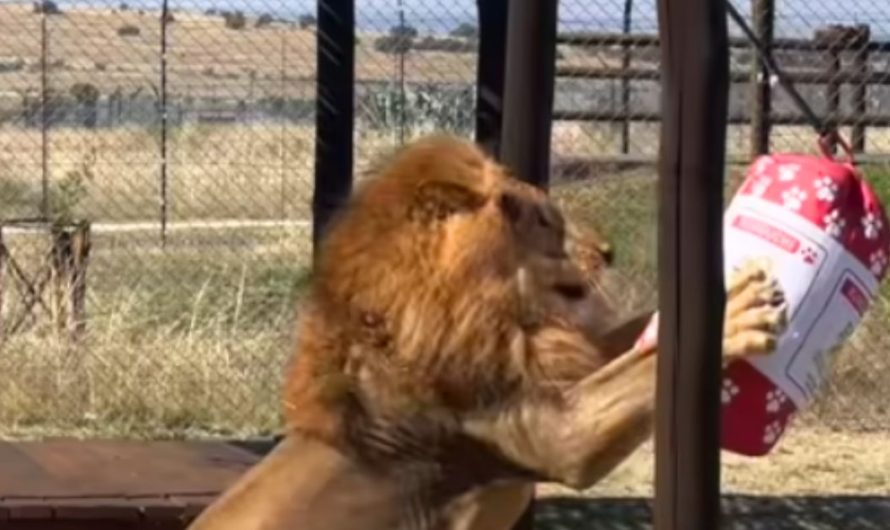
(441, 357)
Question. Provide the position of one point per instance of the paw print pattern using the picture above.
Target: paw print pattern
(729, 391)
(793, 198)
(772, 432)
(871, 225)
(760, 186)
(826, 189)
(774, 400)
(762, 164)
(878, 260)
(809, 255)
(834, 223)
(788, 172)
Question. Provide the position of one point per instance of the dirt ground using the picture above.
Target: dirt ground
(814, 480)
(808, 461)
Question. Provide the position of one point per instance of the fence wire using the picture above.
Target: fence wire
(186, 141)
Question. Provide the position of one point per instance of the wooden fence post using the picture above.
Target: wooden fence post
(836, 39)
(860, 90)
(626, 54)
(70, 255)
(80, 254)
(4, 258)
(763, 14)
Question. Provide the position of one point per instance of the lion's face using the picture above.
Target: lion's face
(435, 271)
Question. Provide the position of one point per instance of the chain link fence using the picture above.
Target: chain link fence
(184, 134)
(607, 140)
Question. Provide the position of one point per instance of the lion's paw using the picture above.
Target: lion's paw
(756, 311)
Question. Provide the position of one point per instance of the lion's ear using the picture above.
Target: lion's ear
(441, 199)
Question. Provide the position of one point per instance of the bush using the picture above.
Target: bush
(306, 21)
(404, 31)
(399, 40)
(235, 20)
(128, 30)
(47, 7)
(433, 44)
(392, 44)
(264, 20)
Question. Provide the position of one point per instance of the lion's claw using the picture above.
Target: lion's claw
(756, 311)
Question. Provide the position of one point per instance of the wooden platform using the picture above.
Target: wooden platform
(99, 485)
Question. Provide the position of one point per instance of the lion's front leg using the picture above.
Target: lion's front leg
(603, 418)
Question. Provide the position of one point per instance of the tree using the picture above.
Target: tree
(235, 20)
(87, 97)
(264, 20)
(128, 30)
(307, 20)
(465, 31)
(47, 7)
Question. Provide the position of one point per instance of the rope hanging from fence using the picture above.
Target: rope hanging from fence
(827, 133)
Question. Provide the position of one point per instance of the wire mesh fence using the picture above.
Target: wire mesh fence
(183, 133)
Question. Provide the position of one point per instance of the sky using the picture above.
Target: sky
(794, 17)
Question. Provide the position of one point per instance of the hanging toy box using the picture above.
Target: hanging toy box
(824, 229)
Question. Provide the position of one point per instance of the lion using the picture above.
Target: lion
(451, 354)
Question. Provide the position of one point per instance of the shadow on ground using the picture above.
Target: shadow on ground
(741, 512)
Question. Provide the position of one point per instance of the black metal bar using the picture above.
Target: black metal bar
(334, 111)
(695, 98)
(491, 59)
(528, 93)
(763, 13)
(529, 74)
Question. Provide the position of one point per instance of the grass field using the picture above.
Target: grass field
(220, 302)
(189, 339)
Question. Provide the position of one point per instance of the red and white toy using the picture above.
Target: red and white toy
(827, 234)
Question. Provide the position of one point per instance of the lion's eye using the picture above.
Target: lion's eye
(571, 291)
(607, 253)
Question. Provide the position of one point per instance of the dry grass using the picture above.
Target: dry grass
(189, 340)
(808, 461)
(145, 301)
(205, 58)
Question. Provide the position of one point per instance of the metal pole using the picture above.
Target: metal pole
(402, 51)
(695, 86)
(44, 120)
(334, 111)
(491, 61)
(528, 105)
(625, 81)
(763, 13)
(528, 94)
(162, 192)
